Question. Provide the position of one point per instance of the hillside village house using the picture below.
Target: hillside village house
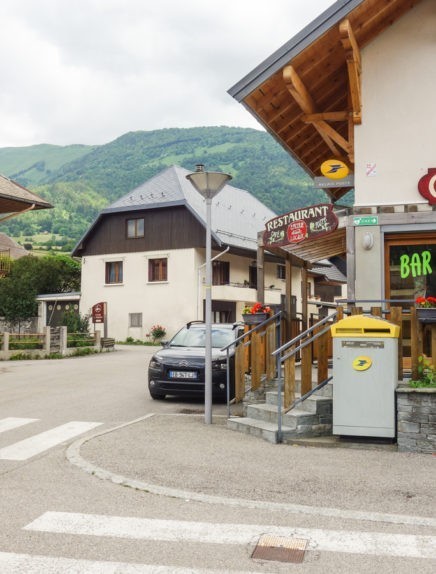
(357, 85)
(14, 200)
(144, 258)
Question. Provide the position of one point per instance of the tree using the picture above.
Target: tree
(30, 276)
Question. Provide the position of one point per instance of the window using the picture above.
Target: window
(220, 273)
(281, 272)
(135, 319)
(114, 272)
(252, 277)
(410, 266)
(158, 269)
(135, 228)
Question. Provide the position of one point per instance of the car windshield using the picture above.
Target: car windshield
(195, 337)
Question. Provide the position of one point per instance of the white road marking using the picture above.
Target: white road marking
(39, 443)
(11, 563)
(351, 542)
(13, 423)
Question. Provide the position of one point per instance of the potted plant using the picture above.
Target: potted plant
(255, 314)
(426, 309)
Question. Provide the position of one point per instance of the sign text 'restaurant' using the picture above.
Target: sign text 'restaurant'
(301, 224)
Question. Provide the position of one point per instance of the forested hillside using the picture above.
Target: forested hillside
(81, 180)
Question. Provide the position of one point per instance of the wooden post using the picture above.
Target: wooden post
(304, 296)
(289, 382)
(255, 360)
(433, 345)
(260, 269)
(288, 298)
(323, 356)
(416, 341)
(306, 369)
(397, 318)
(239, 373)
(270, 367)
(376, 311)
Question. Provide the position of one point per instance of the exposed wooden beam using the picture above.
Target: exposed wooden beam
(326, 116)
(302, 96)
(352, 56)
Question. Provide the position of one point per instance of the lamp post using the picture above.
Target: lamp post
(208, 184)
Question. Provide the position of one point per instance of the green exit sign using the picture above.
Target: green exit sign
(366, 220)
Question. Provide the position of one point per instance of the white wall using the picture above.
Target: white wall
(170, 303)
(398, 127)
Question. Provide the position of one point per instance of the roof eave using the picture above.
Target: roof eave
(292, 48)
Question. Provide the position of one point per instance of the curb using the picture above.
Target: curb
(74, 457)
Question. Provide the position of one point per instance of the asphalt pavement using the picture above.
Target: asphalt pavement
(178, 455)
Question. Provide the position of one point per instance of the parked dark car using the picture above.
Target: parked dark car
(178, 368)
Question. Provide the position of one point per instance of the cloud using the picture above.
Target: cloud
(90, 70)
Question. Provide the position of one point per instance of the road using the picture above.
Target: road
(167, 494)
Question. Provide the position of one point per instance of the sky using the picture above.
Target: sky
(88, 71)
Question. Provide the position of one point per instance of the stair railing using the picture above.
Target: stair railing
(288, 351)
(244, 341)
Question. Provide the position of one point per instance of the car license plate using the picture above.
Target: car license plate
(183, 375)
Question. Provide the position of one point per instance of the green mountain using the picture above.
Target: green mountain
(81, 180)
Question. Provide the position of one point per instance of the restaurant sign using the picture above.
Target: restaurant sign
(296, 226)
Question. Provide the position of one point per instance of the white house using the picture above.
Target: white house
(144, 257)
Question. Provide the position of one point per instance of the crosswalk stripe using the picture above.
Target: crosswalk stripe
(353, 542)
(11, 563)
(39, 443)
(14, 422)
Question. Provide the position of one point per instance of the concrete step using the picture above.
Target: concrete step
(268, 413)
(258, 428)
(314, 404)
(268, 431)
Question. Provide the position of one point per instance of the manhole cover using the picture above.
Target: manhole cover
(280, 549)
(191, 412)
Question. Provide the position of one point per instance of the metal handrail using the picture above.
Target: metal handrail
(280, 358)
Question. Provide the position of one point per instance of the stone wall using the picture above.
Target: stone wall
(416, 419)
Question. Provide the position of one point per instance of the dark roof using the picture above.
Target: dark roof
(318, 72)
(237, 216)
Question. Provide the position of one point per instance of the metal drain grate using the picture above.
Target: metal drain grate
(280, 549)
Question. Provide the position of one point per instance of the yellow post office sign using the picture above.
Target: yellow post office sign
(362, 363)
(334, 169)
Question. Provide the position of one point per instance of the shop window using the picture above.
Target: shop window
(220, 273)
(114, 272)
(158, 269)
(411, 267)
(135, 228)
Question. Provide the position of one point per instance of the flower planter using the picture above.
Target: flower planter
(254, 318)
(426, 315)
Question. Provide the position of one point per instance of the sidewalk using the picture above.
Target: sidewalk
(179, 455)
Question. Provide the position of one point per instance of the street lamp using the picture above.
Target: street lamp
(208, 184)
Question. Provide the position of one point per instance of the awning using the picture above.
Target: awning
(314, 250)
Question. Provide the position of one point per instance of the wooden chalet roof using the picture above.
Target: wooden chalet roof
(15, 198)
(307, 94)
